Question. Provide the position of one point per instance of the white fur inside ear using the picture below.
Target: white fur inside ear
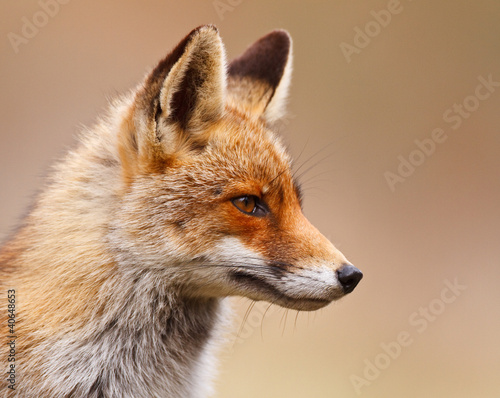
(276, 108)
(206, 54)
(173, 81)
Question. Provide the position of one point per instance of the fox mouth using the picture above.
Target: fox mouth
(266, 291)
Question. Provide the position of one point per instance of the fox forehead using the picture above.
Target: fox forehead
(241, 154)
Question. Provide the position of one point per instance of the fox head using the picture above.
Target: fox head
(209, 201)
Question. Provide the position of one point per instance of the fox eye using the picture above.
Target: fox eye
(251, 205)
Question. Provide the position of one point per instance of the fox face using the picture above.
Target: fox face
(209, 199)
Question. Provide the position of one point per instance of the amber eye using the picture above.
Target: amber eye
(251, 205)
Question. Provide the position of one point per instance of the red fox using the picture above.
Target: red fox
(114, 285)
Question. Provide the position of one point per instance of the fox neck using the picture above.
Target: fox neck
(141, 330)
(144, 336)
(159, 337)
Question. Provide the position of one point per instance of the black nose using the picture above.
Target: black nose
(349, 277)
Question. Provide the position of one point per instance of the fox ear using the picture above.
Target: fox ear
(259, 79)
(184, 93)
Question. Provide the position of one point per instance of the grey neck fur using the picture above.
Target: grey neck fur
(148, 343)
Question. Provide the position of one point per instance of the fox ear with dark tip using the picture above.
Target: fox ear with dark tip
(259, 79)
(178, 99)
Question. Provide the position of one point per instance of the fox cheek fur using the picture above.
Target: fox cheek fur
(182, 196)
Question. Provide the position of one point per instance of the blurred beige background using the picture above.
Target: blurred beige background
(359, 120)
